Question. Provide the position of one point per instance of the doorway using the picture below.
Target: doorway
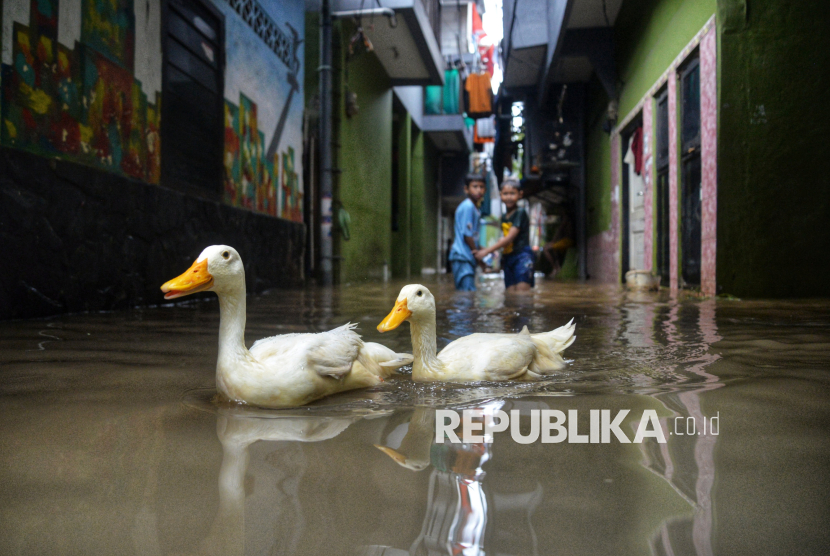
(633, 197)
(690, 172)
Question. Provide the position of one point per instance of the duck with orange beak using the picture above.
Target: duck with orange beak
(281, 371)
(492, 357)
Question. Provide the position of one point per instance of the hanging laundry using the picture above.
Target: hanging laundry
(432, 99)
(485, 46)
(479, 139)
(452, 92)
(636, 149)
(479, 95)
(486, 128)
(488, 58)
(478, 26)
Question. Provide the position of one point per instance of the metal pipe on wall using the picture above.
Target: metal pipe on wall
(581, 203)
(326, 190)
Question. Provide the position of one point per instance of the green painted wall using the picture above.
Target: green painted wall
(414, 244)
(364, 187)
(597, 162)
(418, 188)
(773, 171)
(401, 239)
(429, 243)
(365, 157)
(648, 36)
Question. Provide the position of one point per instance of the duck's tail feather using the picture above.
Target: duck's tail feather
(549, 348)
(400, 360)
(381, 360)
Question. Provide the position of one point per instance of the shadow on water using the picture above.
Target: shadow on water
(112, 440)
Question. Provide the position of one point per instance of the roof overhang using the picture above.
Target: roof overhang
(533, 32)
(409, 50)
(448, 133)
(586, 46)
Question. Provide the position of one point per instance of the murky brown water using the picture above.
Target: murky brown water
(110, 443)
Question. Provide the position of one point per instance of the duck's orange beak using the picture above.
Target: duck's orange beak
(394, 454)
(195, 279)
(394, 319)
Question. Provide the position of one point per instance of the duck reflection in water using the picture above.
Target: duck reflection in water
(237, 429)
(458, 511)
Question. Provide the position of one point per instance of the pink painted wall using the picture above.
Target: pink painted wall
(603, 255)
(709, 159)
(604, 249)
(674, 206)
(648, 178)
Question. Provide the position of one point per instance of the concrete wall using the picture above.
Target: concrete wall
(365, 157)
(82, 81)
(429, 236)
(402, 237)
(772, 203)
(363, 187)
(419, 207)
(649, 35)
(82, 240)
(264, 110)
(773, 195)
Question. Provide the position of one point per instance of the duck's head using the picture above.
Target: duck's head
(415, 302)
(218, 268)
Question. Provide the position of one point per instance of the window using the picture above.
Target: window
(192, 123)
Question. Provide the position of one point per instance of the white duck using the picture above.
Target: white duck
(281, 371)
(521, 356)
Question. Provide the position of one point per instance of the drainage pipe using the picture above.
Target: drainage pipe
(325, 72)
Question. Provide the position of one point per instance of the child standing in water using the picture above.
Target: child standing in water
(467, 218)
(517, 259)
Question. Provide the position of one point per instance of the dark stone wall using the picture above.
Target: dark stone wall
(78, 239)
(773, 168)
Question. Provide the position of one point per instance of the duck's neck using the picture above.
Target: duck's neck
(424, 347)
(232, 317)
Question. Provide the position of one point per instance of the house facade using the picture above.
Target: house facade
(393, 161)
(700, 122)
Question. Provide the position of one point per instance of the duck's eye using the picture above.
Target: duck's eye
(226, 254)
(420, 293)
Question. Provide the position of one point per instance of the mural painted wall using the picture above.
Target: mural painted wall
(68, 85)
(264, 105)
(81, 80)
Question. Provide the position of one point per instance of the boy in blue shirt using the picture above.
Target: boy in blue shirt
(465, 243)
(517, 260)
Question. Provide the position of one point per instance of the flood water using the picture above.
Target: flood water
(111, 442)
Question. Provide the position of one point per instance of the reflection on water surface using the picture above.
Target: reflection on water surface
(112, 444)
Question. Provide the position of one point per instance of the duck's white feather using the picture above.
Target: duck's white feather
(330, 353)
(287, 370)
(488, 356)
(522, 356)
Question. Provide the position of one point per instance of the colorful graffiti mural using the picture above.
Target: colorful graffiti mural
(251, 177)
(291, 200)
(82, 104)
(263, 105)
